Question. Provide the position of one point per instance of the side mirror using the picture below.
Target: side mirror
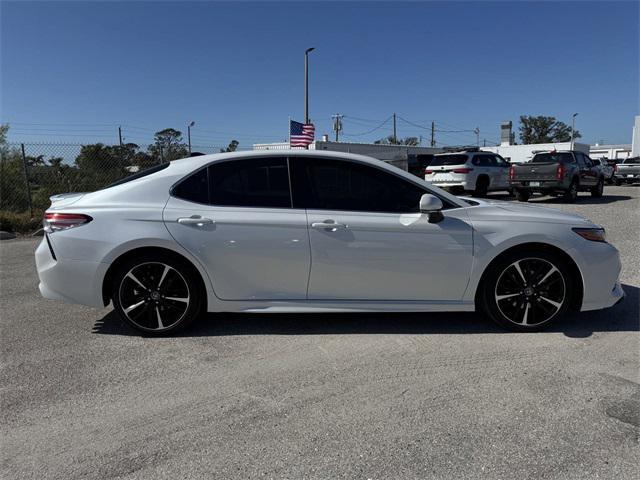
(432, 206)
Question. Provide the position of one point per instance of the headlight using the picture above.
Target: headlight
(591, 234)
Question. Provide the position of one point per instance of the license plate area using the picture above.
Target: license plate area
(534, 184)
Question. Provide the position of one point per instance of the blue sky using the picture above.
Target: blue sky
(72, 72)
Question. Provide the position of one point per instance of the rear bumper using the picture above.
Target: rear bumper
(72, 281)
(544, 186)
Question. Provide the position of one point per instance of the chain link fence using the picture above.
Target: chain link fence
(32, 172)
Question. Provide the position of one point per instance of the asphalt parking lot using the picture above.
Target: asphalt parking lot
(322, 396)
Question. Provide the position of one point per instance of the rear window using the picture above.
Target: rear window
(446, 160)
(631, 160)
(143, 173)
(552, 158)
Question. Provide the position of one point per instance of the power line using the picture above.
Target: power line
(369, 131)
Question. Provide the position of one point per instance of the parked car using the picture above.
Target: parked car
(418, 163)
(557, 173)
(608, 170)
(628, 171)
(308, 231)
(475, 172)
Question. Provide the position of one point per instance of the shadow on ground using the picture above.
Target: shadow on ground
(582, 198)
(623, 317)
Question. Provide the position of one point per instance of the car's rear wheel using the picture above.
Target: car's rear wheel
(571, 195)
(522, 195)
(482, 187)
(598, 190)
(157, 296)
(527, 291)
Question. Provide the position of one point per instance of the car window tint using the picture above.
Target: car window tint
(253, 182)
(350, 186)
(563, 157)
(194, 188)
(445, 160)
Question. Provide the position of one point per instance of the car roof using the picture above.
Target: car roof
(193, 163)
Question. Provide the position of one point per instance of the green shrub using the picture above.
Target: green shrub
(20, 222)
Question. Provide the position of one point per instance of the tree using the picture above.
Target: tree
(231, 148)
(543, 129)
(391, 140)
(168, 145)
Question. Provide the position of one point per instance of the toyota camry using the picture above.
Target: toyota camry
(310, 231)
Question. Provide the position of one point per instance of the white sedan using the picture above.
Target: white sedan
(309, 231)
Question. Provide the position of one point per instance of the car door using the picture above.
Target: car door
(370, 242)
(236, 218)
(502, 172)
(588, 173)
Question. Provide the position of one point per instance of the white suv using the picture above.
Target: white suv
(476, 172)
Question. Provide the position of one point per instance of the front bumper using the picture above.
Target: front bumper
(72, 281)
(600, 269)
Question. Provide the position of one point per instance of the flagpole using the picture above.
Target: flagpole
(289, 128)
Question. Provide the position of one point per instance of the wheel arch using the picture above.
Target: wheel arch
(107, 282)
(576, 303)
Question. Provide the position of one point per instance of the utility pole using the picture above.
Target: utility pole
(189, 135)
(395, 133)
(573, 127)
(120, 135)
(433, 134)
(306, 83)
(337, 124)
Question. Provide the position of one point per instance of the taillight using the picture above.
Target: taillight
(62, 221)
(512, 172)
(560, 172)
(428, 172)
(462, 170)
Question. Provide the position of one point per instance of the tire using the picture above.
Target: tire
(530, 301)
(157, 294)
(482, 187)
(618, 182)
(571, 195)
(598, 190)
(522, 196)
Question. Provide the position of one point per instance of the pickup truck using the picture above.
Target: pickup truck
(556, 173)
(628, 171)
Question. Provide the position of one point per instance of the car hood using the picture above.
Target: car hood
(507, 211)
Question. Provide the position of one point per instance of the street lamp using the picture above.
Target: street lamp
(573, 127)
(306, 83)
(189, 134)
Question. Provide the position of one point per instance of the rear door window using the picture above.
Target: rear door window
(252, 182)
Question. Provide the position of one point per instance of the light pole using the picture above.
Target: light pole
(189, 134)
(306, 83)
(573, 127)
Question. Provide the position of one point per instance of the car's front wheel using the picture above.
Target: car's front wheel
(526, 291)
(157, 296)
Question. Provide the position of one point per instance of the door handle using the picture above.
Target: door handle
(328, 225)
(195, 220)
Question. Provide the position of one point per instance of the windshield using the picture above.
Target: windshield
(563, 157)
(445, 160)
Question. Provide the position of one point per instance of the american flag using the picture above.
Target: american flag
(301, 134)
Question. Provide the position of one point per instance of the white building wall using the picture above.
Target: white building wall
(612, 152)
(524, 153)
(635, 142)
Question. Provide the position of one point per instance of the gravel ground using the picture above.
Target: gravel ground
(322, 396)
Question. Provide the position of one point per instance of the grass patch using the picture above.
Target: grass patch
(20, 222)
